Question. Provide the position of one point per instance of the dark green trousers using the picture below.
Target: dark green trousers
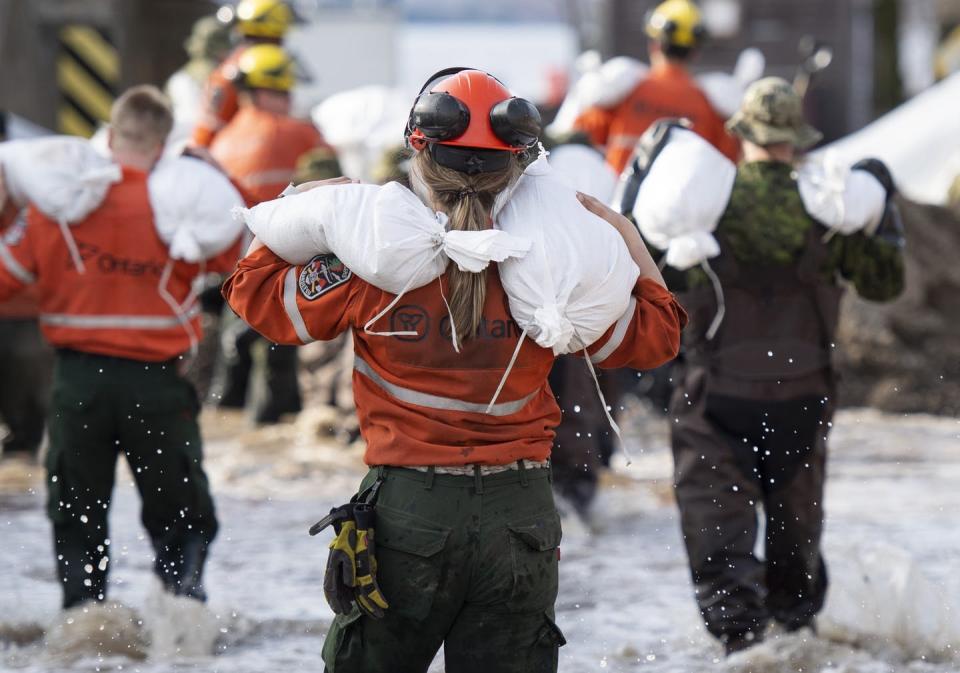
(102, 407)
(467, 563)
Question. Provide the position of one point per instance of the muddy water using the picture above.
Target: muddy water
(892, 540)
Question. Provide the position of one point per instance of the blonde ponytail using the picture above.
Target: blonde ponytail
(468, 202)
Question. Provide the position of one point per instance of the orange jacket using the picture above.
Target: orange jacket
(259, 150)
(23, 304)
(666, 91)
(418, 401)
(220, 100)
(114, 307)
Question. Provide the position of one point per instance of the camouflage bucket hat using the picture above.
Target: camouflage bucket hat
(209, 39)
(772, 112)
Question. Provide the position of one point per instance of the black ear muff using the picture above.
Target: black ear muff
(516, 122)
(699, 32)
(669, 27)
(440, 116)
(434, 79)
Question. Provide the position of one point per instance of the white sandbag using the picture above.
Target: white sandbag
(192, 206)
(585, 170)
(725, 90)
(64, 177)
(606, 86)
(879, 593)
(683, 197)
(384, 234)
(577, 279)
(843, 200)
(361, 124)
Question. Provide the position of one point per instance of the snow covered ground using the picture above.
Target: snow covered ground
(893, 543)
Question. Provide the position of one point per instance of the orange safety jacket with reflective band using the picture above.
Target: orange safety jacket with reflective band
(667, 91)
(419, 402)
(220, 100)
(259, 150)
(114, 306)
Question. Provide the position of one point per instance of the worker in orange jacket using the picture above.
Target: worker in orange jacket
(675, 30)
(117, 386)
(260, 149)
(258, 22)
(466, 528)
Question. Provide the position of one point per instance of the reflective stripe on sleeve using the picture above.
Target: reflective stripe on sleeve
(15, 267)
(625, 140)
(115, 321)
(290, 305)
(276, 176)
(619, 332)
(435, 401)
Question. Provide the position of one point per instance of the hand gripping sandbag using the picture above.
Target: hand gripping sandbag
(192, 204)
(577, 279)
(64, 177)
(682, 197)
(843, 200)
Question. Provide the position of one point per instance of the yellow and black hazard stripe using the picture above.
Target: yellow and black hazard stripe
(88, 76)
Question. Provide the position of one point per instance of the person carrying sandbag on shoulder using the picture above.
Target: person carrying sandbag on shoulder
(261, 148)
(766, 251)
(452, 538)
(258, 22)
(675, 32)
(114, 285)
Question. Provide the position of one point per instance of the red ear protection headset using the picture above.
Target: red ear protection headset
(470, 122)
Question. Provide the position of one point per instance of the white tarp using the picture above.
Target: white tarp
(919, 141)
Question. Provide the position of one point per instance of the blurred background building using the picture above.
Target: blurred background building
(64, 60)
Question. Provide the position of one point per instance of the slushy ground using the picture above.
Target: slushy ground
(892, 543)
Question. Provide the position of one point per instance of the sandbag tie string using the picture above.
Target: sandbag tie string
(506, 373)
(180, 310)
(721, 303)
(71, 245)
(603, 401)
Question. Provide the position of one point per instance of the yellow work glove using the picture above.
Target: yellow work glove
(367, 592)
(340, 577)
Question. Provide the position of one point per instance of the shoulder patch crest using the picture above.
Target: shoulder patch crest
(322, 274)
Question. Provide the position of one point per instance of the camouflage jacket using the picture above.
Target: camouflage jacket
(766, 223)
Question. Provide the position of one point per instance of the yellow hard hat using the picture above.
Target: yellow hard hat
(265, 66)
(676, 23)
(264, 18)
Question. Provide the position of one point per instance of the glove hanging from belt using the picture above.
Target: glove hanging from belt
(351, 573)
(366, 590)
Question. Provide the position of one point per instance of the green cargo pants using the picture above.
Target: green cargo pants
(101, 407)
(469, 563)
